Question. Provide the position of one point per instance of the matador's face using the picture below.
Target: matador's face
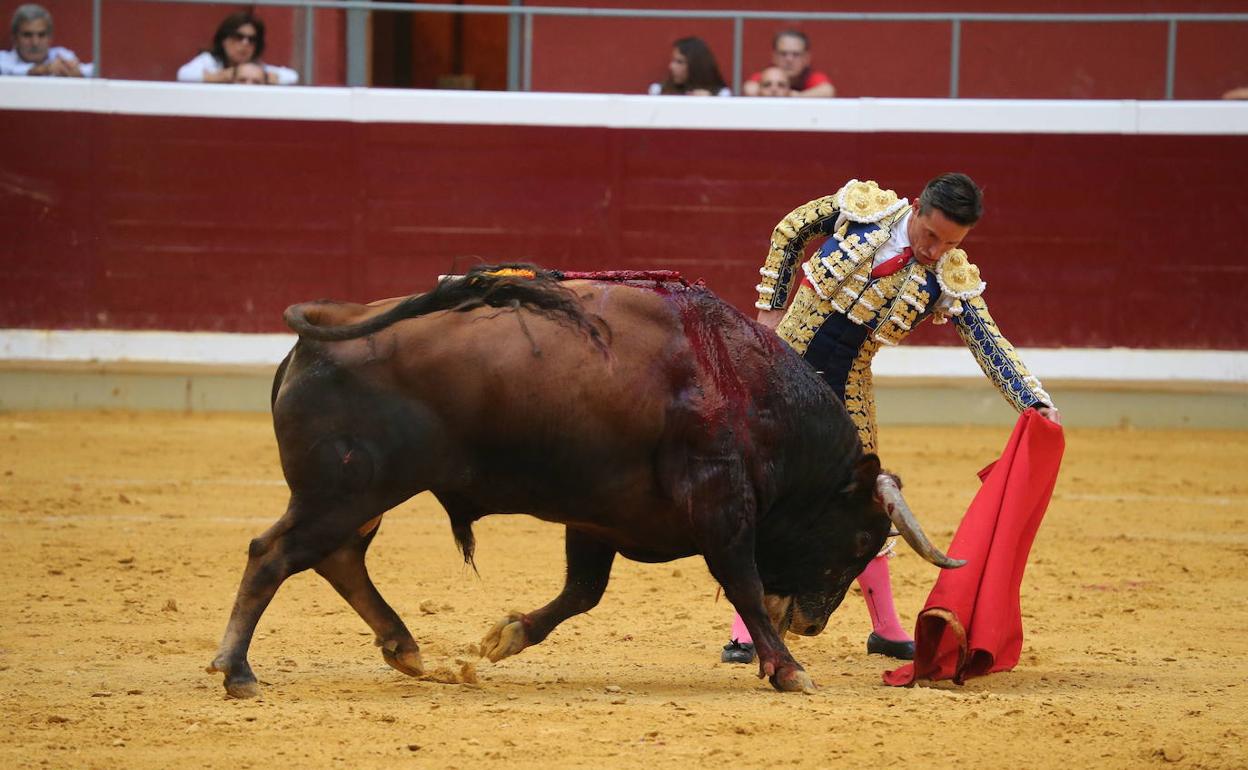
(932, 234)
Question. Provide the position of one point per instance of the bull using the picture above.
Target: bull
(644, 414)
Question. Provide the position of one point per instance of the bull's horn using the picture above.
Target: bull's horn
(903, 518)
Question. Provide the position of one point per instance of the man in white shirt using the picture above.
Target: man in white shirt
(33, 52)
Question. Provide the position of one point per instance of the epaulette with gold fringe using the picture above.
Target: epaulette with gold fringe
(866, 201)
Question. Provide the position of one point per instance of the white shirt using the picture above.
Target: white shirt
(12, 64)
(195, 69)
(656, 89)
(898, 240)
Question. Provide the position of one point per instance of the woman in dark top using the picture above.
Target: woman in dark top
(692, 71)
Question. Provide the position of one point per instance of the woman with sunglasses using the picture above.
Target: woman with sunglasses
(239, 40)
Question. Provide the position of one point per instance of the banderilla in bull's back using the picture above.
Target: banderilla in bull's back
(644, 414)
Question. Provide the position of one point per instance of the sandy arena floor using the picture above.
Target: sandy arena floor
(124, 535)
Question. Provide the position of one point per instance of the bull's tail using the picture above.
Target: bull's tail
(503, 286)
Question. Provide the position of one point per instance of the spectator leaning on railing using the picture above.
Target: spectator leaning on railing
(692, 71)
(239, 40)
(33, 52)
(790, 51)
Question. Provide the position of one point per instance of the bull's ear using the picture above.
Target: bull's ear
(865, 473)
(868, 470)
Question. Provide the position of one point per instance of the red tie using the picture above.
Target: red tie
(890, 266)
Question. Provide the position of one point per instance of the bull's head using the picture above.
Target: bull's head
(863, 512)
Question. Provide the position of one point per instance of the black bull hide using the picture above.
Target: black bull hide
(648, 417)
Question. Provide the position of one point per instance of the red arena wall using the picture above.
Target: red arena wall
(130, 221)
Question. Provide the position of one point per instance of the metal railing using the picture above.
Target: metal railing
(520, 29)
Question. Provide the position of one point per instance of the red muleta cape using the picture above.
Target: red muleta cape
(972, 624)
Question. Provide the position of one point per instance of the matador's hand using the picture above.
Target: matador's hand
(770, 318)
(1051, 413)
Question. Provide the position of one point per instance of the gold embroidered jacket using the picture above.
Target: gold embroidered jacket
(838, 289)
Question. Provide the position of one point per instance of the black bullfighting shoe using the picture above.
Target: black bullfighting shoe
(878, 645)
(737, 652)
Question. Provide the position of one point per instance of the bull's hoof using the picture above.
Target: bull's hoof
(240, 682)
(793, 680)
(242, 688)
(505, 639)
(405, 660)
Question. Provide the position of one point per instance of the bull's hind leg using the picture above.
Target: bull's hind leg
(589, 570)
(347, 573)
(302, 538)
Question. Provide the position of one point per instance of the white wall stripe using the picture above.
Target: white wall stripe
(364, 105)
(1091, 364)
(1125, 365)
(207, 348)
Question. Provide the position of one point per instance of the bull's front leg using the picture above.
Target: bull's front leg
(724, 514)
(589, 569)
(743, 587)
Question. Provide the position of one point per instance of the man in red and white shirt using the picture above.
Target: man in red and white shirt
(790, 51)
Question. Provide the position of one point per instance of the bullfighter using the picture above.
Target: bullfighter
(888, 265)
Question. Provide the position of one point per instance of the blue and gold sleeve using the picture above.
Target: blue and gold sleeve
(997, 357)
(788, 242)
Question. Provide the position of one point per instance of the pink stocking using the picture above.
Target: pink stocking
(877, 590)
(739, 632)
